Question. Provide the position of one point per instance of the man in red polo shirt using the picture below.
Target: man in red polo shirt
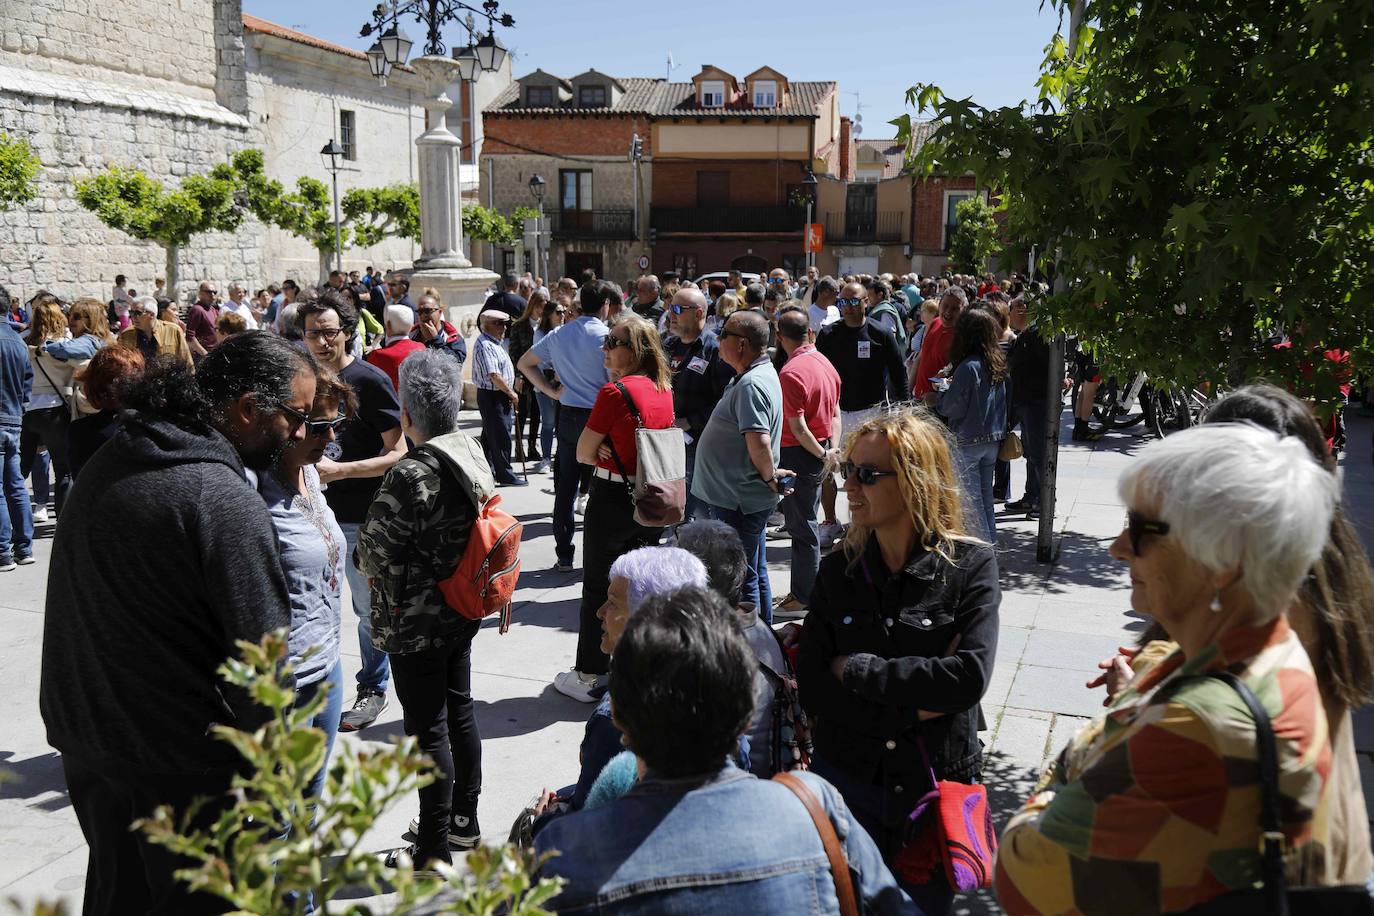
(935, 348)
(397, 345)
(810, 409)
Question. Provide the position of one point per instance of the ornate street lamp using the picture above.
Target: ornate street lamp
(809, 182)
(537, 189)
(442, 262)
(330, 155)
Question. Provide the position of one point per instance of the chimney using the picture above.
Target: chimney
(846, 150)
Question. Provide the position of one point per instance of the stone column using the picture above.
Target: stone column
(442, 263)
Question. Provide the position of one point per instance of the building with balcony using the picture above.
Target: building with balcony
(577, 134)
(730, 163)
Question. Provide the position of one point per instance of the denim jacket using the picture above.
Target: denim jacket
(724, 843)
(975, 407)
(16, 377)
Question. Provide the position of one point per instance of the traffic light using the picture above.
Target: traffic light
(636, 149)
(653, 236)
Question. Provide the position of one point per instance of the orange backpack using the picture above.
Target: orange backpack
(489, 569)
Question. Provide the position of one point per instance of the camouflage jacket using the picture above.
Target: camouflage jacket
(413, 536)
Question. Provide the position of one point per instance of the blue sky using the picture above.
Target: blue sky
(987, 49)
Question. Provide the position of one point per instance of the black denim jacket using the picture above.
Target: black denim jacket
(896, 629)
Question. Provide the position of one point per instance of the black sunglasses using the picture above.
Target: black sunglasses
(1137, 526)
(867, 476)
(611, 342)
(679, 309)
(849, 303)
(322, 428)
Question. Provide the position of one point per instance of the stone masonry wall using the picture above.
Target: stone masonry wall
(135, 84)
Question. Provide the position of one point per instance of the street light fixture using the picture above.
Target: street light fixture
(469, 67)
(330, 155)
(434, 15)
(377, 62)
(809, 182)
(537, 189)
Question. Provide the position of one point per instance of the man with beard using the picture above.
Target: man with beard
(369, 445)
(131, 645)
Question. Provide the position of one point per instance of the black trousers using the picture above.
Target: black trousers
(47, 426)
(496, 412)
(125, 873)
(609, 531)
(527, 422)
(435, 689)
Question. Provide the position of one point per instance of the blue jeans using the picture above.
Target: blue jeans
(326, 720)
(751, 526)
(375, 673)
(42, 487)
(799, 511)
(1033, 420)
(976, 464)
(567, 477)
(548, 423)
(16, 515)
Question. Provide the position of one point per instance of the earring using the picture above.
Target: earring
(1215, 606)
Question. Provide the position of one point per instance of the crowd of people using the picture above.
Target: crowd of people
(276, 447)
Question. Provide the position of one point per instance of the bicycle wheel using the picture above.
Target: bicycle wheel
(1109, 412)
(1153, 409)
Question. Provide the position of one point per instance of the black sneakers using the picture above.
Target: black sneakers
(463, 831)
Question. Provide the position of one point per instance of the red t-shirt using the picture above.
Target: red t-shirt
(934, 355)
(611, 417)
(390, 357)
(811, 390)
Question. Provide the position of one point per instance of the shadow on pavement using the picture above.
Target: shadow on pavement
(505, 718)
(34, 777)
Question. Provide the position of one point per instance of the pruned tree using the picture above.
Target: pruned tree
(130, 201)
(367, 215)
(974, 241)
(1201, 174)
(19, 167)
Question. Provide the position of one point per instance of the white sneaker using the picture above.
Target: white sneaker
(581, 506)
(40, 514)
(575, 684)
(830, 532)
(776, 519)
(541, 468)
(778, 533)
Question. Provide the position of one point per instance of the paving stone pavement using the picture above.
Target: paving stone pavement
(1057, 621)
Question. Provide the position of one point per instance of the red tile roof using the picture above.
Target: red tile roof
(256, 24)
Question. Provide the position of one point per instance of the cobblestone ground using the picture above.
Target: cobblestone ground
(1057, 622)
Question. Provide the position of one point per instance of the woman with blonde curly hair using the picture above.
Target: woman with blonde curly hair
(639, 373)
(899, 642)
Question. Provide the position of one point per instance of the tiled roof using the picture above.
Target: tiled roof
(676, 100)
(256, 24)
(894, 152)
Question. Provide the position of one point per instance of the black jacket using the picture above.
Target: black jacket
(699, 378)
(166, 556)
(896, 631)
(1029, 365)
(865, 381)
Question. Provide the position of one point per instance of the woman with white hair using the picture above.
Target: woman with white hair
(1155, 806)
(634, 578)
(416, 529)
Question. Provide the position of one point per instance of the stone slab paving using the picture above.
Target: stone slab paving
(1057, 621)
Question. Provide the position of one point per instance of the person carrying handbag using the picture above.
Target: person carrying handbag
(637, 366)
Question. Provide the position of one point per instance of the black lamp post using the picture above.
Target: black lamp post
(330, 155)
(537, 189)
(393, 45)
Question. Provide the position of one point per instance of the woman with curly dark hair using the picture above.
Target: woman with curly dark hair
(975, 404)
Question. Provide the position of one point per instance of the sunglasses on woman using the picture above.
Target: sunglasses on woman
(868, 476)
(1137, 526)
(317, 428)
(611, 342)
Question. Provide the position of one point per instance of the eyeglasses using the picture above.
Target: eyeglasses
(611, 342)
(297, 418)
(868, 476)
(1137, 526)
(679, 309)
(427, 311)
(327, 334)
(134, 313)
(849, 303)
(321, 428)
(777, 280)
(560, 311)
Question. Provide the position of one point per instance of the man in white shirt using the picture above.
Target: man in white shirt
(238, 303)
(822, 310)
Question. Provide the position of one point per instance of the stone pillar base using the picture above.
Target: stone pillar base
(462, 291)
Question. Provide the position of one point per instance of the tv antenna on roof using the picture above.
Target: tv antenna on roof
(859, 107)
(671, 67)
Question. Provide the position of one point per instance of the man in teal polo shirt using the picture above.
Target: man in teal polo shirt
(737, 473)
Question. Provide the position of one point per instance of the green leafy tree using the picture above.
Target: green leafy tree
(19, 166)
(975, 236)
(1201, 176)
(130, 201)
(274, 844)
(367, 215)
(483, 224)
